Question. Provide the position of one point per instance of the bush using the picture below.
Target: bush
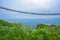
(18, 32)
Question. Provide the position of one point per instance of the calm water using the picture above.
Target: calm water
(34, 22)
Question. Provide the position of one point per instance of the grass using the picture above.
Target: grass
(18, 32)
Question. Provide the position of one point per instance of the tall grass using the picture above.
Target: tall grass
(18, 32)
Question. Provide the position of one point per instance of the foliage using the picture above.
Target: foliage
(18, 32)
(4, 23)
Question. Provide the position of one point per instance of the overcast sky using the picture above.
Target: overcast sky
(36, 6)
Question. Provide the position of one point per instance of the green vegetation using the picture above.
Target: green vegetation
(10, 31)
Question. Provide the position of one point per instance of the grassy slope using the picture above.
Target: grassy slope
(17, 32)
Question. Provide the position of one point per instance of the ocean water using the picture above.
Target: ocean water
(33, 22)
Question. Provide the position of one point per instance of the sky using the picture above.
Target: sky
(35, 6)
